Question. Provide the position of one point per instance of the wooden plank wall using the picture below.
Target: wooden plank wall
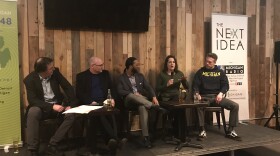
(178, 27)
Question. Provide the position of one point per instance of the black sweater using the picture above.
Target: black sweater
(210, 81)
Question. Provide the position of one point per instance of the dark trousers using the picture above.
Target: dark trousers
(34, 116)
(105, 123)
(228, 104)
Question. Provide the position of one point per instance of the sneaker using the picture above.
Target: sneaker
(233, 135)
(202, 135)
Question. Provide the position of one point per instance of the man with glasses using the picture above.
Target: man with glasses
(212, 83)
(45, 100)
(92, 89)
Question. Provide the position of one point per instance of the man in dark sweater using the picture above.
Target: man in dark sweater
(211, 83)
(92, 87)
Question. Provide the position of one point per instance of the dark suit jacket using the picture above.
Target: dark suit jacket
(143, 87)
(83, 86)
(35, 93)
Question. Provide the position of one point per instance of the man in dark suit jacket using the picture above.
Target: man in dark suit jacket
(47, 101)
(92, 88)
(137, 92)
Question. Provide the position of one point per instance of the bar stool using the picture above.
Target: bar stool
(219, 112)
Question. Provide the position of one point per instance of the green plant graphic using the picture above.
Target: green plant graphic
(5, 55)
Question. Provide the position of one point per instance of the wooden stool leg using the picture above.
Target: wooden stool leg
(218, 119)
(224, 120)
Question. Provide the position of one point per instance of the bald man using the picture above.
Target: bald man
(91, 89)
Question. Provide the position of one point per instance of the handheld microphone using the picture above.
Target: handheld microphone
(172, 75)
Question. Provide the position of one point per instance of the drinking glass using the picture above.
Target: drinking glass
(195, 99)
(15, 144)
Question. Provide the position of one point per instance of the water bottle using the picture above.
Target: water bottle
(109, 99)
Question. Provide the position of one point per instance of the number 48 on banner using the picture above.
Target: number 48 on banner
(7, 21)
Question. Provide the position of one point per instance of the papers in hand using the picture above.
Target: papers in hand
(83, 109)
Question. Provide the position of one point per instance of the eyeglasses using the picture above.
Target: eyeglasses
(100, 65)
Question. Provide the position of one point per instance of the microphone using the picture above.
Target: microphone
(172, 75)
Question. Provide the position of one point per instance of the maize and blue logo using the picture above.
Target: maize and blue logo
(232, 69)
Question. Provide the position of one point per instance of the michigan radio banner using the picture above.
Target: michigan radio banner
(10, 126)
(229, 42)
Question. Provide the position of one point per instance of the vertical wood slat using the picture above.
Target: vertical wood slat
(157, 53)
(181, 37)
(108, 51)
(199, 53)
(100, 47)
(23, 44)
(173, 27)
(216, 6)
(224, 6)
(276, 21)
(76, 67)
(262, 69)
(252, 81)
(151, 47)
(41, 28)
(207, 10)
(33, 31)
(59, 47)
(249, 9)
(188, 46)
(90, 49)
(256, 80)
(117, 57)
(168, 28)
(68, 56)
(83, 61)
(269, 29)
(135, 46)
(233, 6)
(268, 99)
(163, 32)
(257, 20)
(33, 17)
(49, 43)
(129, 44)
(125, 43)
(240, 7)
(143, 49)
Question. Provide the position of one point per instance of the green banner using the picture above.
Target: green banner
(10, 126)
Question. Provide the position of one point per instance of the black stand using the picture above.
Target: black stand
(183, 141)
(275, 106)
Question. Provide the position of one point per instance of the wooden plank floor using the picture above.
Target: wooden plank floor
(254, 138)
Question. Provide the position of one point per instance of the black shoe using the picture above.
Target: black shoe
(122, 143)
(112, 144)
(155, 107)
(52, 150)
(33, 153)
(83, 151)
(147, 142)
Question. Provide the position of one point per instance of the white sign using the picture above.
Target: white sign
(229, 42)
